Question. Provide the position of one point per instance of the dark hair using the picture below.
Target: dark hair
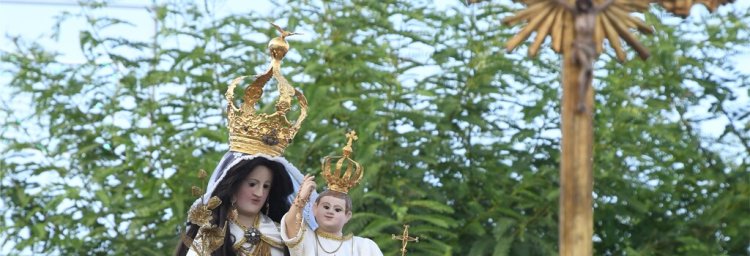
(336, 194)
(281, 188)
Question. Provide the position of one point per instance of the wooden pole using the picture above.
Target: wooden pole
(576, 221)
(576, 179)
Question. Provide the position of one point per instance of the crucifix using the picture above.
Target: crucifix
(405, 238)
(578, 29)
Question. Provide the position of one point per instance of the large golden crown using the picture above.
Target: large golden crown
(354, 171)
(253, 133)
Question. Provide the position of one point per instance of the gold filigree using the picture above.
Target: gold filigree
(211, 237)
(354, 171)
(253, 133)
(200, 215)
(332, 236)
(196, 191)
(213, 202)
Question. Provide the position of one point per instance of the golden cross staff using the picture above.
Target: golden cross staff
(578, 29)
(405, 239)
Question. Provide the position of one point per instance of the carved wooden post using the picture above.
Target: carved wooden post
(576, 226)
(556, 18)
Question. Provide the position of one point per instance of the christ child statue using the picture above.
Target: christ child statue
(332, 210)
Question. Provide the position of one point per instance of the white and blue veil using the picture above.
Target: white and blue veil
(232, 159)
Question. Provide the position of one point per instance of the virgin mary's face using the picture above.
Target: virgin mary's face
(253, 191)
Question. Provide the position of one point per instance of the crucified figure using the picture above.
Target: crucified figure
(584, 48)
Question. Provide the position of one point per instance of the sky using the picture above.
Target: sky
(34, 19)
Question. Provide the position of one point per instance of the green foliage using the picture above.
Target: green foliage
(661, 183)
(459, 139)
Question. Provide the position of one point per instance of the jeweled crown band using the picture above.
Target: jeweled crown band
(251, 146)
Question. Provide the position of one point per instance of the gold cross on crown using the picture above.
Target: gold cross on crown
(350, 136)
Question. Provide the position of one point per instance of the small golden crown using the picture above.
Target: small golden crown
(354, 170)
(253, 133)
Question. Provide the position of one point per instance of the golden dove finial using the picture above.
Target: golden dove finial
(278, 47)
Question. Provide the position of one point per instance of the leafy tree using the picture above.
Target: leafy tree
(458, 139)
(662, 184)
